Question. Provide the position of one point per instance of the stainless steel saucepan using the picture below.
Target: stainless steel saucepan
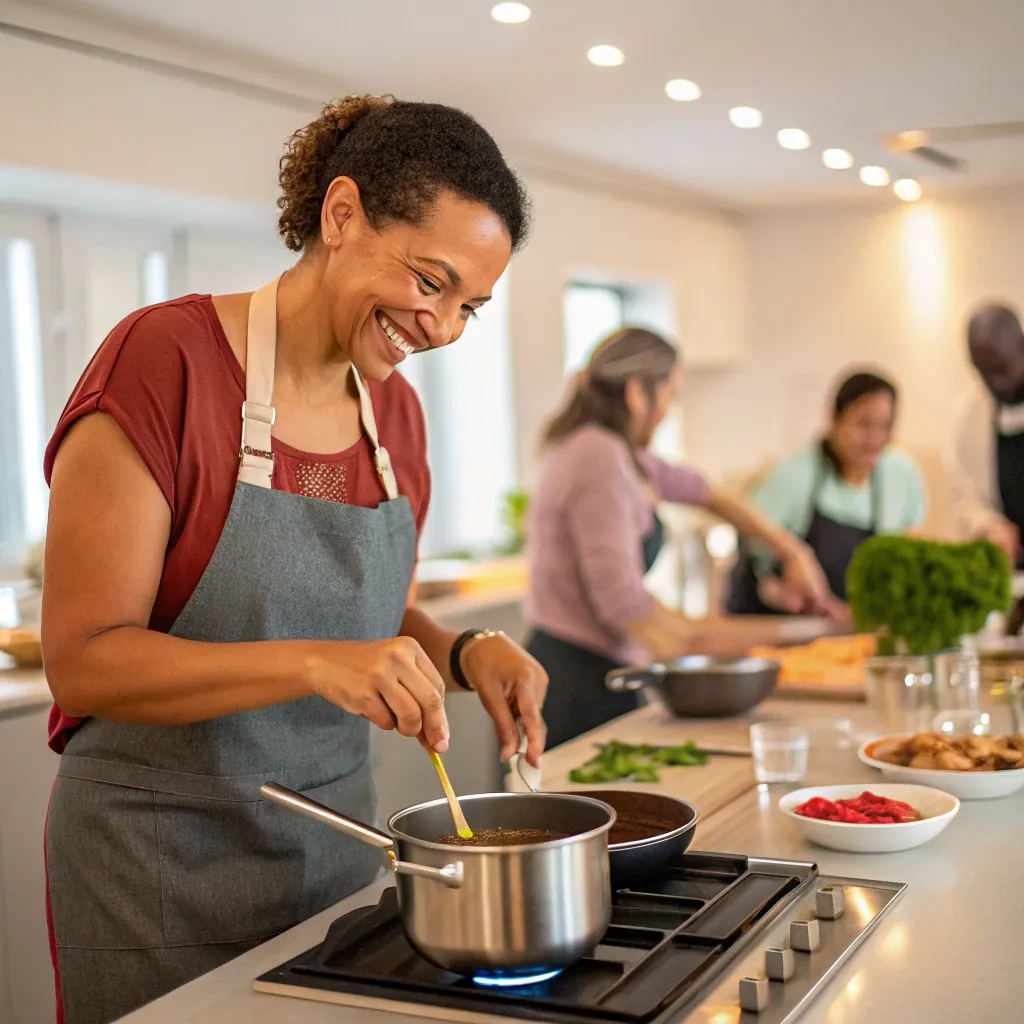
(492, 909)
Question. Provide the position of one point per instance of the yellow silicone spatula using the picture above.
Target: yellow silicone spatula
(462, 829)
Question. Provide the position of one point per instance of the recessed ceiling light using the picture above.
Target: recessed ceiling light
(837, 159)
(908, 190)
(794, 138)
(682, 89)
(874, 176)
(605, 56)
(746, 117)
(511, 14)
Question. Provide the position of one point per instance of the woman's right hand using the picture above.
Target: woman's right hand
(391, 682)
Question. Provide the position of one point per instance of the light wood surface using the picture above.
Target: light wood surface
(709, 787)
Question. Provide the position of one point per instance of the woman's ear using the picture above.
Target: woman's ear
(342, 207)
(637, 401)
(640, 407)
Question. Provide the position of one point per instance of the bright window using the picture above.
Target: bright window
(155, 281)
(590, 313)
(22, 488)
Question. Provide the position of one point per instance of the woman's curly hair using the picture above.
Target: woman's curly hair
(402, 155)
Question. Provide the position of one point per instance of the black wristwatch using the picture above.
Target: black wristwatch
(455, 660)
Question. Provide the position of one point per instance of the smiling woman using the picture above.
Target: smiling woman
(226, 595)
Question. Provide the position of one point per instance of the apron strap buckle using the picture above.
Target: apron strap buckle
(255, 455)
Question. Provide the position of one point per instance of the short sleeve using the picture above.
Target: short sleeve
(913, 508)
(138, 377)
(784, 496)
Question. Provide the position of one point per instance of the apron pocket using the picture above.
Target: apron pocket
(103, 863)
(236, 871)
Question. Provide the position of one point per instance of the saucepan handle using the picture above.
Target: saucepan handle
(629, 680)
(450, 875)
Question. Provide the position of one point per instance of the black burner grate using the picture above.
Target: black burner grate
(662, 943)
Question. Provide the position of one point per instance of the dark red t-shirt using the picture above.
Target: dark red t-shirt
(169, 378)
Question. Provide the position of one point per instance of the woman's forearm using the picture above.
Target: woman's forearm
(134, 674)
(663, 633)
(751, 523)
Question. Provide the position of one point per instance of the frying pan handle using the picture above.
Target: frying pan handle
(450, 875)
(629, 680)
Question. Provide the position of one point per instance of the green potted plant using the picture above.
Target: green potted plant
(514, 507)
(921, 598)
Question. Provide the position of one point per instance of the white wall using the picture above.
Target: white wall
(76, 113)
(889, 285)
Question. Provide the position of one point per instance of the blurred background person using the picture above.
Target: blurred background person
(986, 460)
(594, 533)
(834, 493)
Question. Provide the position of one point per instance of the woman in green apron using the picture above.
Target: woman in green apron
(236, 489)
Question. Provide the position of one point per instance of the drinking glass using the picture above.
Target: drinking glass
(779, 751)
(962, 722)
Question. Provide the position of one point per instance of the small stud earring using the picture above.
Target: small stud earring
(328, 239)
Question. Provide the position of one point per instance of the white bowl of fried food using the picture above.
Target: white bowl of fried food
(970, 767)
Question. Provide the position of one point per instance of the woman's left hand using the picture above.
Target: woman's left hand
(511, 685)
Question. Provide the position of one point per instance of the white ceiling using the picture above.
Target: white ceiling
(846, 71)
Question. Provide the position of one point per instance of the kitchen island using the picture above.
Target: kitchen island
(946, 951)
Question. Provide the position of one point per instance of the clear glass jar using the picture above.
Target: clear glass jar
(963, 688)
(901, 692)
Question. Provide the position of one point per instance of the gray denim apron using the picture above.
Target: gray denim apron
(163, 862)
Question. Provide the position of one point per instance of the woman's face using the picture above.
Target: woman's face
(407, 288)
(863, 431)
(646, 414)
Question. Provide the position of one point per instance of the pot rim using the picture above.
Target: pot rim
(463, 851)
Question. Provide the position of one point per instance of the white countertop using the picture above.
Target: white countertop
(947, 951)
(21, 689)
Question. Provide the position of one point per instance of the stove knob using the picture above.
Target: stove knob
(779, 964)
(753, 994)
(805, 936)
(829, 902)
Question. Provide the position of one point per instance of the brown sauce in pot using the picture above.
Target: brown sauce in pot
(505, 837)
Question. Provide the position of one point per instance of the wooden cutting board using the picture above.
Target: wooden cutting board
(708, 787)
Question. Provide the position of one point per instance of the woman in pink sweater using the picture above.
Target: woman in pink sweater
(594, 533)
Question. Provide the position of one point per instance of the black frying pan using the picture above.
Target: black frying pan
(636, 852)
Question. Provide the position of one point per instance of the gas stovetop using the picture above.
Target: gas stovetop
(718, 939)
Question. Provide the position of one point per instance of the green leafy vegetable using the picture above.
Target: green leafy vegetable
(921, 596)
(637, 763)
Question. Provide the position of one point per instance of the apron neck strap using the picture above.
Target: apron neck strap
(381, 459)
(256, 457)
